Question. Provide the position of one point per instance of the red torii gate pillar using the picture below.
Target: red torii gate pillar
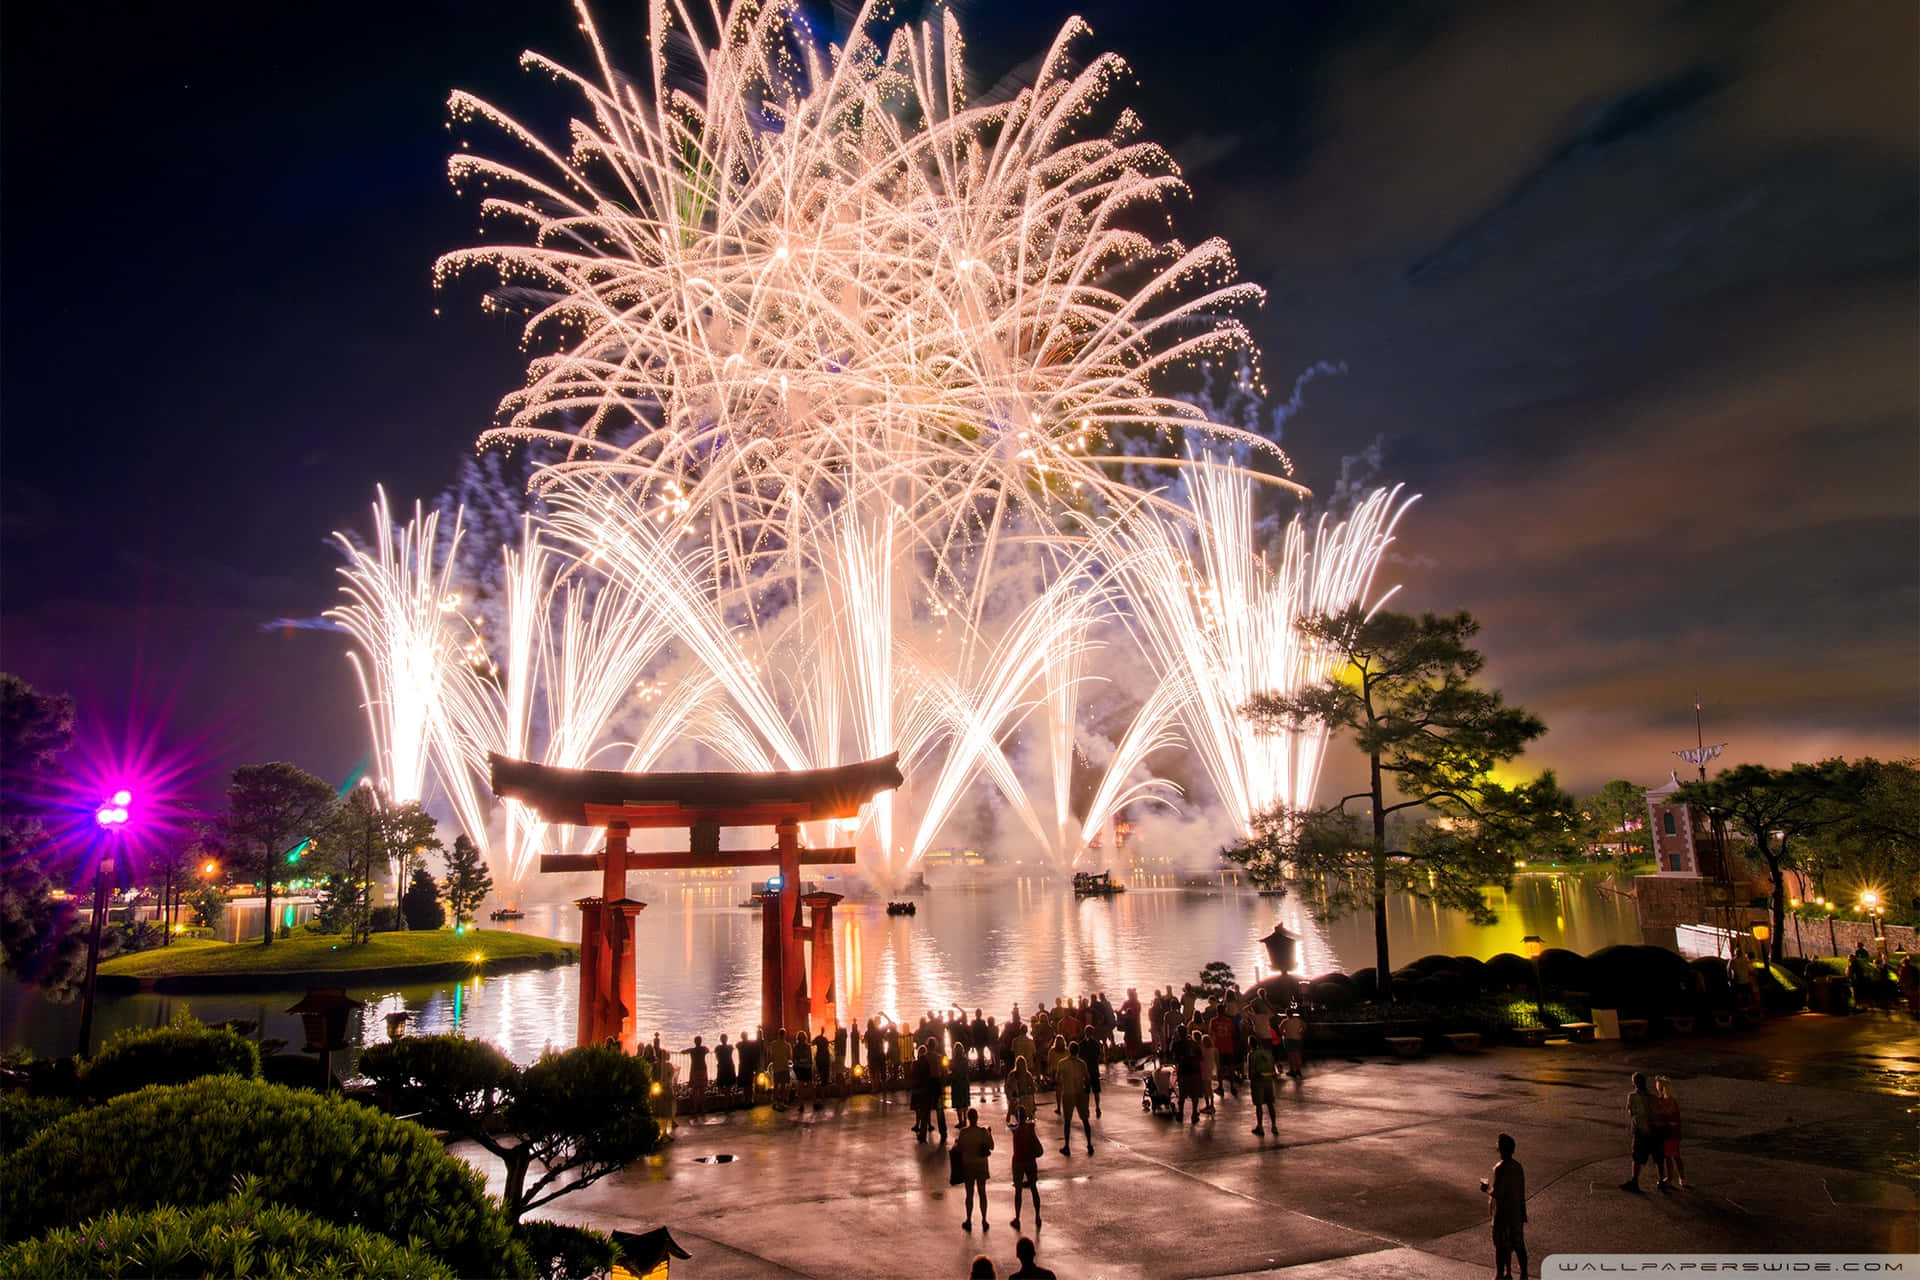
(820, 935)
(606, 953)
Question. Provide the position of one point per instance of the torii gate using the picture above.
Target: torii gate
(702, 803)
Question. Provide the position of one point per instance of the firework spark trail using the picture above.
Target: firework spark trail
(1221, 622)
(401, 597)
(832, 357)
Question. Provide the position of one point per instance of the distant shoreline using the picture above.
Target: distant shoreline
(310, 960)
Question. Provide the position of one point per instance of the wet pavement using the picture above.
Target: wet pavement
(1800, 1136)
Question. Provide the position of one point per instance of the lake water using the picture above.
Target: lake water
(987, 946)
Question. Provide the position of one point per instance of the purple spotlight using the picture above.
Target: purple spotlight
(122, 799)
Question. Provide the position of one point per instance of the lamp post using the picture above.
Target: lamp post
(112, 818)
(1535, 945)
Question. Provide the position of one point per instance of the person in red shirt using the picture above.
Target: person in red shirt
(1026, 1164)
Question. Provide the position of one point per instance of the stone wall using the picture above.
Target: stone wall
(1814, 938)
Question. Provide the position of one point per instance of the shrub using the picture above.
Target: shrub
(168, 1055)
(187, 1144)
(1780, 991)
(1442, 988)
(383, 920)
(139, 935)
(23, 1116)
(1327, 994)
(208, 905)
(1472, 971)
(1366, 983)
(1509, 972)
(1434, 964)
(1564, 970)
(238, 1237)
(563, 1252)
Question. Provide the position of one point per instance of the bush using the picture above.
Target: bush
(1780, 991)
(1472, 971)
(1641, 981)
(208, 905)
(168, 1055)
(1509, 972)
(23, 1116)
(1328, 994)
(563, 1252)
(1564, 970)
(1441, 988)
(139, 935)
(238, 1237)
(1366, 983)
(187, 1144)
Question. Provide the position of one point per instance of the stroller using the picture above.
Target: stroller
(1158, 1099)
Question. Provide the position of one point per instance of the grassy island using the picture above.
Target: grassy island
(437, 955)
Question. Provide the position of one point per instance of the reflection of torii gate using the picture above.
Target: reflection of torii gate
(702, 803)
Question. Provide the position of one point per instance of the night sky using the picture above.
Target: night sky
(1626, 290)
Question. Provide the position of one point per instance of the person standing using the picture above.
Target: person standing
(1026, 1164)
(822, 1067)
(752, 1060)
(1186, 1071)
(1640, 1123)
(726, 1078)
(1021, 1088)
(1092, 1053)
(959, 1084)
(1130, 1041)
(1666, 1122)
(1262, 1071)
(1293, 1041)
(1071, 1081)
(697, 1076)
(1507, 1202)
(973, 1146)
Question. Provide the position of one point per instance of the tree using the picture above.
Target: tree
(42, 939)
(1217, 980)
(583, 1112)
(272, 810)
(368, 831)
(468, 881)
(1778, 811)
(420, 904)
(1405, 694)
(208, 904)
(1617, 815)
(168, 866)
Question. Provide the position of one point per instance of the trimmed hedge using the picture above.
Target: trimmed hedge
(237, 1237)
(188, 1144)
(168, 1055)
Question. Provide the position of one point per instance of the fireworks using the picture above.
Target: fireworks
(860, 402)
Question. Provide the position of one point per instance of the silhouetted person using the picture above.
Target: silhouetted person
(973, 1146)
(1507, 1201)
(1029, 1269)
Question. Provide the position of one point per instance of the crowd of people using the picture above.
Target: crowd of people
(1202, 1044)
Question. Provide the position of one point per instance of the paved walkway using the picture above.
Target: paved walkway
(1800, 1135)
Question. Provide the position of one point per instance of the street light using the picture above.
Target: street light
(112, 819)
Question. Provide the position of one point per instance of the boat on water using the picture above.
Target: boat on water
(1096, 884)
(506, 913)
(901, 909)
